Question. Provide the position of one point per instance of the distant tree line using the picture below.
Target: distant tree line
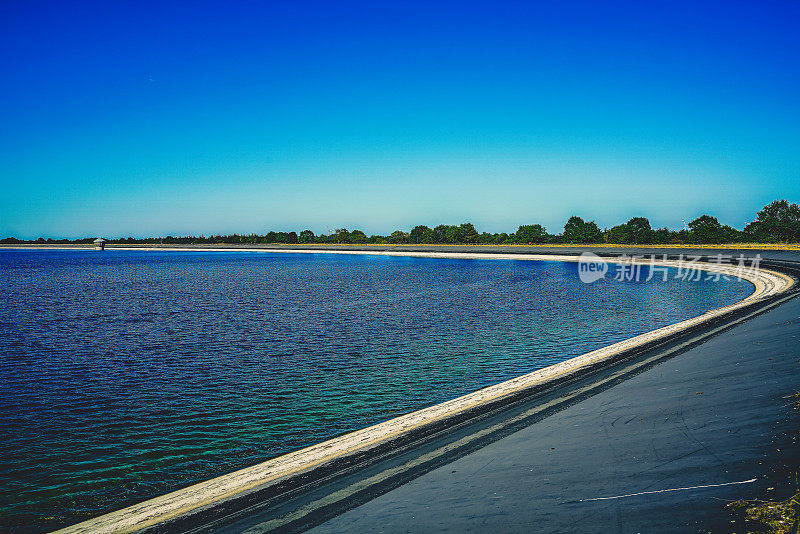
(777, 222)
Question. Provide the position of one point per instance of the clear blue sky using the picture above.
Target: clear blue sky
(186, 118)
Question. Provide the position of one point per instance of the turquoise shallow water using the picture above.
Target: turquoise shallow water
(127, 374)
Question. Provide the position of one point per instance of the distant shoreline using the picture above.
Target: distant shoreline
(490, 248)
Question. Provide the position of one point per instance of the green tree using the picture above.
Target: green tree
(531, 233)
(639, 231)
(578, 231)
(440, 233)
(636, 231)
(662, 236)
(485, 238)
(398, 237)
(420, 234)
(617, 235)
(342, 235)
(468, 233)
(452, 234)
(707, 229)
(777, 221)
(357, 236)
(378, 240)
(306, 236)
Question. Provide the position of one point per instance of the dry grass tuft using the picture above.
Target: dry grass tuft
(774, 517)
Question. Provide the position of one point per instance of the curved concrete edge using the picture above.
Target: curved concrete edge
(206, 494)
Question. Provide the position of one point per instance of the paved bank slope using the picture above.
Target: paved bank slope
(713, 415)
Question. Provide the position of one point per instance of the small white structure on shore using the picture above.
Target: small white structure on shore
(99, 243)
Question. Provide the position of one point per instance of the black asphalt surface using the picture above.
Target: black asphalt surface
(719, 413)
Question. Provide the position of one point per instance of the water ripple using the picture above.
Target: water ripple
(126, 375)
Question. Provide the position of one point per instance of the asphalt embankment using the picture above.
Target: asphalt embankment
(662, 451)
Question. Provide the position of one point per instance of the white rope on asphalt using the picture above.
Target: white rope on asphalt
(666, 490)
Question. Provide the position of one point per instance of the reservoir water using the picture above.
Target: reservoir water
(129, 374)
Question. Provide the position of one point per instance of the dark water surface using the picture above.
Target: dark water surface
(128, 374)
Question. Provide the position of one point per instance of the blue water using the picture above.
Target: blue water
(128, 374)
